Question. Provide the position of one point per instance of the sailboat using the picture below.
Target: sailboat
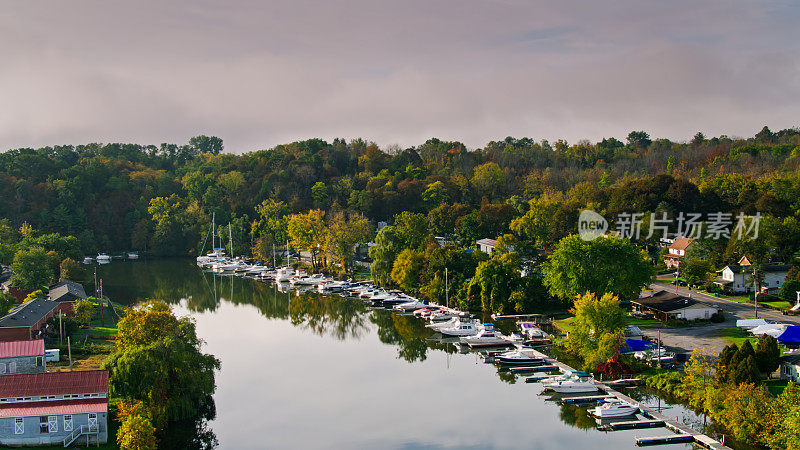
(217, 254)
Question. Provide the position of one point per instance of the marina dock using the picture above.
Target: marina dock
(683, 433)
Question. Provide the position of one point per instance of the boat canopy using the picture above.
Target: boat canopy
(790, 336)
(772, 329)
(636, 345)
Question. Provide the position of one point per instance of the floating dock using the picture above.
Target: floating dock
(684, 433)
(632, 425)
(661, 440)
(586, 399)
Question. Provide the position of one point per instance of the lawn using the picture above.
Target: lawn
(779, 305)
(566, 325)
(735, 335)
(775, 387)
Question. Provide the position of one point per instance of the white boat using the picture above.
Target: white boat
(485, 338)
(572, 384)
(284, 274)
(531, 331)
(446, 314)
(413, 305)
(133, 255)
(88, 260)
(516, 358)
(462, 329)
(217, 254)
(614, 407)
(102, 258)
(445, 324)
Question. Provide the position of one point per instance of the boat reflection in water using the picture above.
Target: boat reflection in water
(306, 371)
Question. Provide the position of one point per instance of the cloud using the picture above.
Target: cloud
(260, 74)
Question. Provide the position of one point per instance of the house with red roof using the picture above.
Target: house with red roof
(676, 251)
(22, 357)
(60, 408)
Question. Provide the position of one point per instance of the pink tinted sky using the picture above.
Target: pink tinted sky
(259, 74)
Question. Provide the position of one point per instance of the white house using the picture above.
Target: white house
(790, 366)
(486, 245)
(665, 305)
(739, 278)
(676, 251)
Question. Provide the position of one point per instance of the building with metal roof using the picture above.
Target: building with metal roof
(67, 291)
(27, 321)
(665, 305)
(54, 408)
(22, 357)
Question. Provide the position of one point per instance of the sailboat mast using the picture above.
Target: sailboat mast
(230, 238)
(213, 219)
(446, 289)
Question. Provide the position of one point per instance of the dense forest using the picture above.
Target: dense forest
(160, 199)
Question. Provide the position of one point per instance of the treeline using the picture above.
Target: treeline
(104, 193)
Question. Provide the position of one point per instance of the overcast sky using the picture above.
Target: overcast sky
(259, 73)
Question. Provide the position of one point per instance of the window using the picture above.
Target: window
(68, 422)
(39, 361)
(2, 367)
(92, 422)
(52, 424)
(43, 428)
(19, 426)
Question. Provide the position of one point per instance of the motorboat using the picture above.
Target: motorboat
(102, 258)
(88, 260)
(284, 274)
(485, 338)
(446, 324)
(461, 329)
(571, 384)
(215, 254)
(412, 305)
(301, 280)
(614, 407)
(133, 255)
(446, 314)
(425, 312)
(531, 331)
(396, 300)
(517, 358)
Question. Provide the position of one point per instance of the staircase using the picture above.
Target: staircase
(83, 430)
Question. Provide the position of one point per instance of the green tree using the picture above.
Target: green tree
(136, 430)
(488, 178)
(782, 420)
(696, 271)
(157, 360)
(412, 229)
(435, 194)
(84, 311)
(767, 354)
(306, 232)
(388, 245)
(32, 268)
(788, 292)
(6, 302)
(319, 192)
(72, 271)
(599, 266)
(496, 279)
(406, 269)
(341, 236)
(207, 144)
(598, 328)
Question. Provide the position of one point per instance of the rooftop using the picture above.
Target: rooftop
(665, 301)
(791, 357)
(681, 243)
(14, 349)
(54, 383)
(45, 408)
(489, 242)
(64, 289)
(767, 268)
(28, 314)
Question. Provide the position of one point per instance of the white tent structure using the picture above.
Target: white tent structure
(750, 323)
(772, 329)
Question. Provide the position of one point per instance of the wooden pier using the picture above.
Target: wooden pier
(682, 431)
(632, 425)
(586, 399)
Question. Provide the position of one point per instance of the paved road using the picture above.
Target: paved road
(685, 339)
(737, 310)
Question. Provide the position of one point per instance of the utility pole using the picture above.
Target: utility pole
(60, 330)
(69, 352)
(102, 318)
(755, 293)
(659, 349)
(446, 288)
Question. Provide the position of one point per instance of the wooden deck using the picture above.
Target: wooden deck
(677, 427)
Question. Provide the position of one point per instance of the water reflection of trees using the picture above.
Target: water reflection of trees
(576, 416)
(192, 433)
(337, 317)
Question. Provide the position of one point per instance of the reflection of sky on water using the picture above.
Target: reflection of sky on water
(307, 385)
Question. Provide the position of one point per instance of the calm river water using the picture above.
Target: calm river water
(305, 371)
